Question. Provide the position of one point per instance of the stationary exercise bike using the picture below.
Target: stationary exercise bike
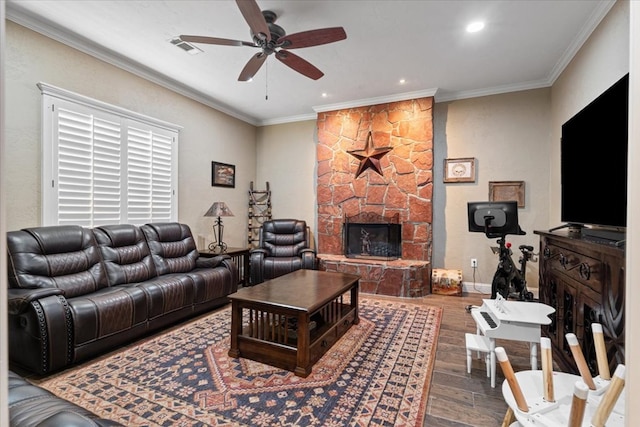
(497, 220)
(508, 280)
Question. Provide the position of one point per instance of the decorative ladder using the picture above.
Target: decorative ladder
(259, 212)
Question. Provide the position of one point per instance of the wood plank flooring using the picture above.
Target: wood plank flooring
(458, 399)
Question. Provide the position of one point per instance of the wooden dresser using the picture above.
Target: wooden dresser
(584, 279)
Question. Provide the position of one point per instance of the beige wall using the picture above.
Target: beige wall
(206, 134)
(632, 339)
(602, 60)
(508, 135)
(286, 156)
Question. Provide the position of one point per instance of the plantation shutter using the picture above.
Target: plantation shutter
(105, 165)
(149, 177)
(88, 168)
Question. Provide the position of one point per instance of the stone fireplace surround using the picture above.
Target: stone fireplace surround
(405, 188)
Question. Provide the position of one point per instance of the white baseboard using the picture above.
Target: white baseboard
(476, 288)
(485, 289)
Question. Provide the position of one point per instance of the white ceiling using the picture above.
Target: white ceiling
(525, 45)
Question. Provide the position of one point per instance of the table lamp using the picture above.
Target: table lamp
(218, 209)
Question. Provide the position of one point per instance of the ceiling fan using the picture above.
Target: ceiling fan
(271, 38)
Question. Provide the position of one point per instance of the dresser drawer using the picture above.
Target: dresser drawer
(577, 266)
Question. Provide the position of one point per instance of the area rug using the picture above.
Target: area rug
(377, 374)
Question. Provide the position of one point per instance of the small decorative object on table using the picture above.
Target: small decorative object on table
(218, 209)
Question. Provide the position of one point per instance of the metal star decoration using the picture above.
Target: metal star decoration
(370, 157)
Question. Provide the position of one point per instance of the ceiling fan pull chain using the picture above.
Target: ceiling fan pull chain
(266, 81)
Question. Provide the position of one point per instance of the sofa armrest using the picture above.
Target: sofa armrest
(256, 269)
(19, 300)
(41, 335)
(308, 259)
(211, 262)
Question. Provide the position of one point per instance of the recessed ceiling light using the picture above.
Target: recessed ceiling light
(402, 81)
(324, 94)
(474, 27)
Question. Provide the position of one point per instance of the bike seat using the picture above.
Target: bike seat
(526, 247)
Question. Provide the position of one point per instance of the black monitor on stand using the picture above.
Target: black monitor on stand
(494, 219)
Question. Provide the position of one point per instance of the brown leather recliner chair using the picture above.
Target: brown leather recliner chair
(285, 245)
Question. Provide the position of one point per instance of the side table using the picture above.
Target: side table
(239, 255)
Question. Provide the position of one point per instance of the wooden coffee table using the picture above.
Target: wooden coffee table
(291, 321)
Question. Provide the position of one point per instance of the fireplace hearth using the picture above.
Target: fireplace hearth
(372, 236)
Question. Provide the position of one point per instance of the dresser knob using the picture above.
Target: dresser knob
(563, 261)
(585, 271)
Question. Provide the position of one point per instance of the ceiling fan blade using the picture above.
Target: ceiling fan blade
(298, 64)
(252, 14)
(215, 40)
(312, 38)
(252, 67)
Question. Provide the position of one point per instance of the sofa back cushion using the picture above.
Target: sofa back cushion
(125, 253)
(65, 257)
(172, 247)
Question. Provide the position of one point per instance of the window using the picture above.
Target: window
(102, 164)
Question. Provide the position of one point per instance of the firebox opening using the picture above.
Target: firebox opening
(372, 237)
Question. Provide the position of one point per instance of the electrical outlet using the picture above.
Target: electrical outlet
(474, 263)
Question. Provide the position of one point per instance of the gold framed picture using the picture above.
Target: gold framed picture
(501, 191)
(460, 170)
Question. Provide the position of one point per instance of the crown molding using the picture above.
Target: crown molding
(592, 23)
(22, 17)
(377, 100)
(78, 42)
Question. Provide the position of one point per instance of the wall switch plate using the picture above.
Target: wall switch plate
(474, 263)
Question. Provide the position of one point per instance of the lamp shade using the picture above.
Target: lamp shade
(219, 209)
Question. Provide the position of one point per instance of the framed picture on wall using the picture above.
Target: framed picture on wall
(223, 175)
(460, 170)
(504, 191)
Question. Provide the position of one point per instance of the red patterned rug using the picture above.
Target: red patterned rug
(377, 374)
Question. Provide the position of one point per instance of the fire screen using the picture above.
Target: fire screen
(372, 236)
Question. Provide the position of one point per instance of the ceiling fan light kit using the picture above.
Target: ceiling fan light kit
(272, 38)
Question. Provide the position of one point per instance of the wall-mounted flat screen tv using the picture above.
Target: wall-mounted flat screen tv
(594, 161)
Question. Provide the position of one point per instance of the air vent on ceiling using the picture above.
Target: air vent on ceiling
(187, 47)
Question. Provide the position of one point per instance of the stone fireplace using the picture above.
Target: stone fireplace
(396, 139)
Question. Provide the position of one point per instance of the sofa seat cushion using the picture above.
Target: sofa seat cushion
(106, 312)
(211, 284)
(275, 267)
(167, 293)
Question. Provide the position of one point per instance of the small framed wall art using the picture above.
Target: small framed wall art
(460, 170)
(223, 175)
(503, 191)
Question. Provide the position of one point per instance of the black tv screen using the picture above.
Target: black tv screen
(594, 161)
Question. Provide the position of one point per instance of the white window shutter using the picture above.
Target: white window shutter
(105, 165)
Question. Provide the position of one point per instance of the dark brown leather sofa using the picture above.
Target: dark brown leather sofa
(75, 292)
(30, 406)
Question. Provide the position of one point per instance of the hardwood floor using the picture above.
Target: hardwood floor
(456, 398)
